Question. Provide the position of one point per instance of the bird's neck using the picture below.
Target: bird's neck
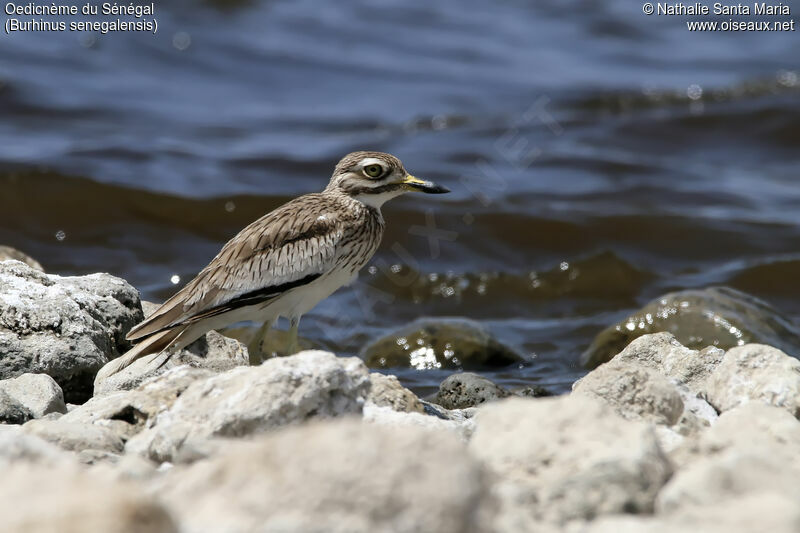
(376, 200)
(355, 204)
(372, 200)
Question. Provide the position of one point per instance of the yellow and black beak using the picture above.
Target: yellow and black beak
(415, 184)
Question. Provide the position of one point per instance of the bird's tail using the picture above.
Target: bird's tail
(153, 344)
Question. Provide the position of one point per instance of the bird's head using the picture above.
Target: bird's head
(375, 177)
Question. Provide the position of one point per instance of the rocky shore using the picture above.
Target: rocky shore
(660, 437)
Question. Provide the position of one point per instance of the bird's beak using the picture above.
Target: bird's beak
(416, 184)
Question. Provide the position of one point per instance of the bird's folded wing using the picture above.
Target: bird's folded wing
(285, 249)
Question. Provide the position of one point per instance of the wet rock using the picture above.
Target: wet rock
(8, 253)
(250, 400)
(533, 391)
(451, 343)
(74, 436)
(466, 389)
(755, 373)
(386, 391)
(66, 327)
(12, 411)
(567, 458)
(634, 392)
(212, 351)
(39, 393)
(35, 499)
(334, 476)
(718, 316)
(663, 353)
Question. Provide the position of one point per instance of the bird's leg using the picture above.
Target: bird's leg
(292, 347)
(257, 346)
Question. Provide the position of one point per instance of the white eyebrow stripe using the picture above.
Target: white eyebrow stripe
(372, 161)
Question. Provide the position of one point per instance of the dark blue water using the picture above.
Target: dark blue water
(571, 134)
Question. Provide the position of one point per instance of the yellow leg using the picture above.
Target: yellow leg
(257, 348)
(291, 349)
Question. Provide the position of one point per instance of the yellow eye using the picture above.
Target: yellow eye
(373, 171)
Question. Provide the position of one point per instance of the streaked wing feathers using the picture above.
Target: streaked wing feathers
(288, 247)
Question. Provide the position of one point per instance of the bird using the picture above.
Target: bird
(284, 263)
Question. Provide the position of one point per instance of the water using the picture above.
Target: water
(618, 154)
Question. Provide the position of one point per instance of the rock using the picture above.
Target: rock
(17, 447)
(751, 454)
(34, 499)
(130, 467)
(712, 480)
(567, 458)
(451, 343)
(776, 513)
(211, 351)
(755, 373)
(386, 391)
(8, 253)
(532, 391)
(697, 414)
(66, 327)
(12, 411)
(116, 466)
(458, 421)
(250, 400)
(634, 392)
(75, 437)
(341, 476)
(648, 379)
(753, 512)
(39, 393)
(459, 391)
(663, 353)
(457, 415)
(148, 308)
(718, 316)
(754, 429)
(93, 456)
(129, 412)
(669, 440)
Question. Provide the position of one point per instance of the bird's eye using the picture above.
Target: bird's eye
(373, 171)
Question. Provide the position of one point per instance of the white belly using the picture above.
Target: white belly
(299, 301)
